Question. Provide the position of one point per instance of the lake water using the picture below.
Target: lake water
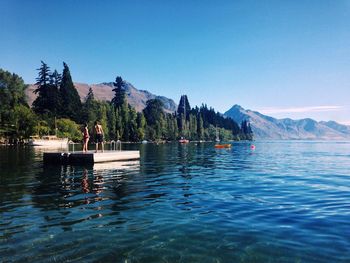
(285, 201)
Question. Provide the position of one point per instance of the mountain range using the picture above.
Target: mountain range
(266, 127)
(104, 92)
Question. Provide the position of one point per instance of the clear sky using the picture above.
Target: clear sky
(285, 58)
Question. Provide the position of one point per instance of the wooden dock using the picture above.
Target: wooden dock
(90, 157)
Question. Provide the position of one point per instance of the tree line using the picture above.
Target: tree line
(58, 110)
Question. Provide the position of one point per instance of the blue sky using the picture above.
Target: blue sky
(283, 58)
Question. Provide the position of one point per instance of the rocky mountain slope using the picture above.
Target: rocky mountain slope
(265, 127)
(136, 98)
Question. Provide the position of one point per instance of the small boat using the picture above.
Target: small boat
(183, 140)
(49, 141)
(222, 146)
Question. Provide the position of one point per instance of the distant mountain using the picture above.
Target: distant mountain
(336, 126)
(136, 98)
(265, 127)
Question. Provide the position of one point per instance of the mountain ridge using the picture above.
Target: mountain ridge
(103, 91)
(263, 126)
(267, 127)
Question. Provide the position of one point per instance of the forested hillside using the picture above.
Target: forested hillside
(58, 109)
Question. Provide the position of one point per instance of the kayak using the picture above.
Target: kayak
(221, 146)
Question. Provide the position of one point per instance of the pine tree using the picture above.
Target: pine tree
(119, 91)
(250, 134)
(89, 114)
(244, 127)
(41, 104)
(173, 129)
(160, 127)
(176, 128)
(184, 107)
(155, 118)
(183, 112)
(53, 93)
(124, 115)
(55, 79)
(153, 111)
(122, 110)
(90, 96)
(200, 128)
(132, 124)
(141, 125)
(119, 125)
(112, 122)
(246, 131)
(70, 99)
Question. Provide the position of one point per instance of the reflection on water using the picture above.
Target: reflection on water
(85, 182)
(69, 186)
(282, 202)
(120, 165)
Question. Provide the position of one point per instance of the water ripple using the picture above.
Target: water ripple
(282, 202)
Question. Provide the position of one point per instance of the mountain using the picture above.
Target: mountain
(339, 127)
(136, 98)
(266, 127)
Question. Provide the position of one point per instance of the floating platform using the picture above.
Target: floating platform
(90, 157)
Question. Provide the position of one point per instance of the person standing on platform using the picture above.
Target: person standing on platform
(99, 136)
(86, 138)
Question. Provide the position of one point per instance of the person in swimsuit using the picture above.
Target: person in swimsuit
(86, 138)
(99, 135)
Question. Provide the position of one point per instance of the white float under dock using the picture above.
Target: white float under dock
(90, 157)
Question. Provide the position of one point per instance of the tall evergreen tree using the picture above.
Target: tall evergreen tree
(184, 107)
(193, 126)
(246, 131)
(244, 127)
(41, 104)
(121, 109)
(183, 113)
(112, 122)
(132, 124)
(141, 125)
(171, 130)
(55, 79)
(200, 128)
(89, 114)
(153, 111)
(119, 125)
(155, 118)
(70, 100)
(53, 93)
(119, 91)
(124, 115)
(90, 97)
